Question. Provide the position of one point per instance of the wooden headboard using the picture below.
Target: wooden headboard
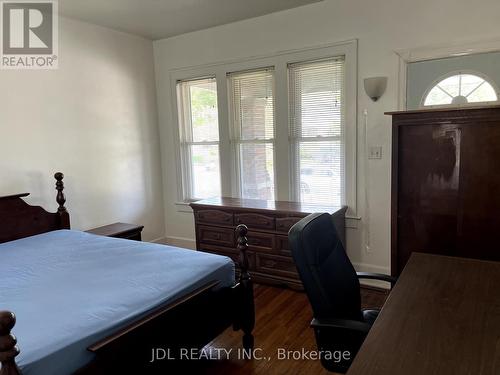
(18, 219)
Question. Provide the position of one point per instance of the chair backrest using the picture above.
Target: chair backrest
(326, 272)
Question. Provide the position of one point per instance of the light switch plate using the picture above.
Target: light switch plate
(375, 152)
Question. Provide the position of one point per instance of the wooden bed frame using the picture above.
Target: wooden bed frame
(189, 322)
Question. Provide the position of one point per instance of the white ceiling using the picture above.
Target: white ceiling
(157, 19)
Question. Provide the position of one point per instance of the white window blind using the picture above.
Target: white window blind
(252, 123)
(199, 138)
(317, 129)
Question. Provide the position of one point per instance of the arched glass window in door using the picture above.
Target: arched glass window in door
(460, 89)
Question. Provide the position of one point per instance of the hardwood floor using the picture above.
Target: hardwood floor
(283, 318)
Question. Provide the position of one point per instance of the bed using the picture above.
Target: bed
(84, 302)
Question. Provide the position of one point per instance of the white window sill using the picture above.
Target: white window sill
(352, 222)
(183, 207)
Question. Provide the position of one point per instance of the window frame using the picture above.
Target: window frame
(296, 141)
(282, 143)
(185, 145)
(469, 104)
(235, 132)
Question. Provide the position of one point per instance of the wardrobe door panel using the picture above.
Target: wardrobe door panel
(429, 169)
(478, 232)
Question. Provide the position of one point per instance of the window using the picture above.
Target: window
(459, 89)
(252, 125)
(317, 117)
(277, 127)
(199, 137)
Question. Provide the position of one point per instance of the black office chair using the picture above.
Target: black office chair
(332, 286)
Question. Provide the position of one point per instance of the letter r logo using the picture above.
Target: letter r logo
(27, 27)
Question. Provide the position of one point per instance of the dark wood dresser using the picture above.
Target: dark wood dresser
(445, 183)
(268, 224)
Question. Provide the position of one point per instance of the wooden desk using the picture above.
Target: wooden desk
(442, 317)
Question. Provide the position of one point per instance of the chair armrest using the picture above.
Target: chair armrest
(377, 276)
(353, 325)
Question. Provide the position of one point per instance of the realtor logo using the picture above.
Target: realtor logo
(29, 34)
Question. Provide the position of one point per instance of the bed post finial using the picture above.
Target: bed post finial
(61, 199)
(247, 306)
(242, 241)
(8, 348)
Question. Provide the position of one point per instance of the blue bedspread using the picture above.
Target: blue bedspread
(70, 289)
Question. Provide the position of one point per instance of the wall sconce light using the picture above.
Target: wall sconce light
(375, 87)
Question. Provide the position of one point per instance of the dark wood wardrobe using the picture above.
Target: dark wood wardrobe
(445, 183)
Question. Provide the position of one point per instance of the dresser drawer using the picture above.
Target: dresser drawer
(215, 235)
(214, 217)
(283, 224)
(276, 265)
(228, 252)
(282, 246)
(255, 220)
(260, 241)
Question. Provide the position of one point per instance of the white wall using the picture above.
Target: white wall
(95, 119)
(381, 26)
